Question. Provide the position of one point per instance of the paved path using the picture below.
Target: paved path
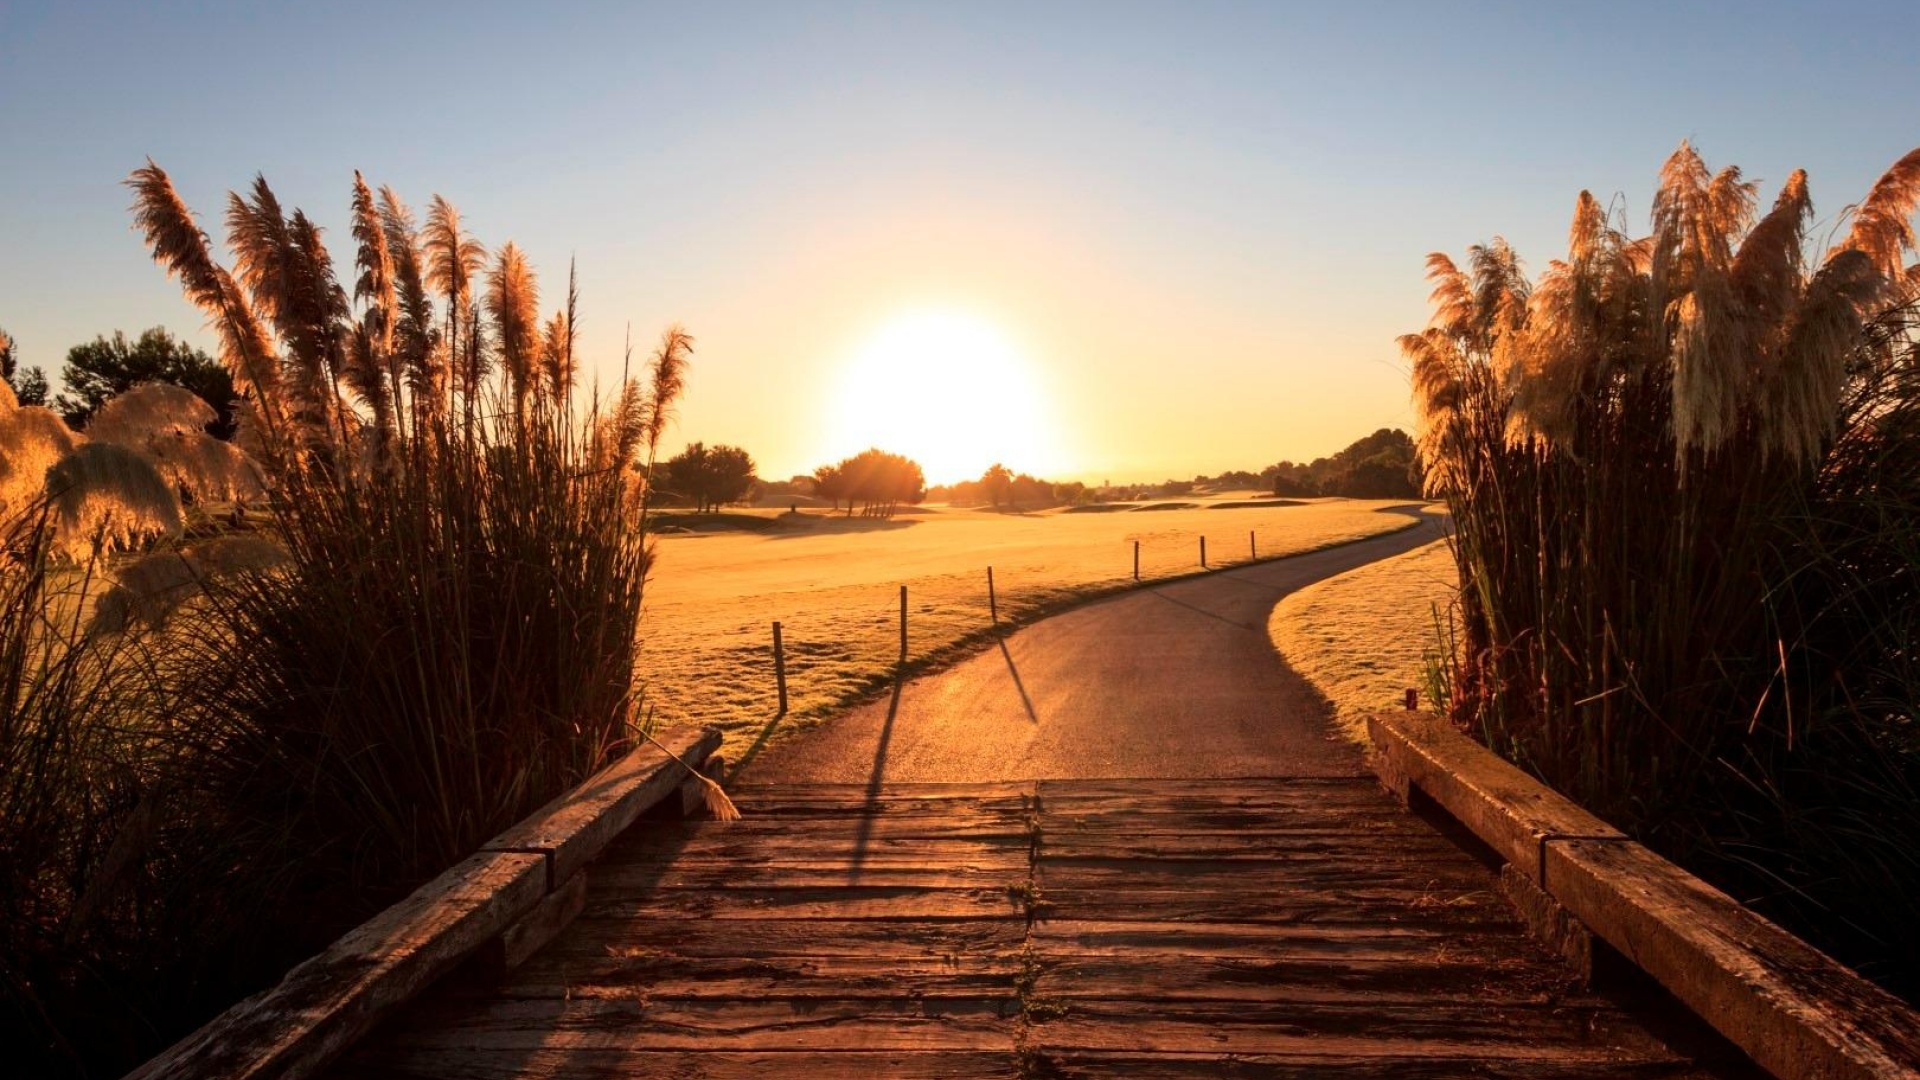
(1174, 680)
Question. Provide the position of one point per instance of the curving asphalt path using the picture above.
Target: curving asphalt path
(1169, 681)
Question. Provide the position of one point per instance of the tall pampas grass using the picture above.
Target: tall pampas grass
(215, 756)
(1680, 467)
(449, 640)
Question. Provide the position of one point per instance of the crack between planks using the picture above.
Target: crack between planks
(1029, 1062)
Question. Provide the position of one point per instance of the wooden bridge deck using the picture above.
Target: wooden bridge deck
(1087, 928)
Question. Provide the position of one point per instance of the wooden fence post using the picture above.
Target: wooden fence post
(780, 668)
(903, 624)
(1252, 552)
(1136, 560)
(993, 602)
(1203, 553)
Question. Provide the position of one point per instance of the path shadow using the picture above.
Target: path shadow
(875, 780)
(1210, 614)
(759, 742)
(1018, 684)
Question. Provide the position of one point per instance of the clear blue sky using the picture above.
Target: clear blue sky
(1201, 225)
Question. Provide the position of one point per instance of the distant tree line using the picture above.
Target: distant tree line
(1379, 466)
(1001, 487)
(878, 481)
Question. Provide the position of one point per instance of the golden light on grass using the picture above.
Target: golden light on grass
(707, 658)
(949, 390)
(1363, 638)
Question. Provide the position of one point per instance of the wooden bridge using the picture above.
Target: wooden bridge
(1273, 927)
(1448, 917)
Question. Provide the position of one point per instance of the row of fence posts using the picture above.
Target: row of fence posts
(993, 610)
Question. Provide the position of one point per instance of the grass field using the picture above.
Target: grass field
(833, 583)
(1364, 637)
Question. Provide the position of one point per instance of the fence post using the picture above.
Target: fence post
(1252, 552)
(1136, 560)
(1203, 553)
(993, 602)
(903, 624)
(780, 668)
(1413, 699)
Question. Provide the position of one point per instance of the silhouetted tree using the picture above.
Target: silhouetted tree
(105, 366)
(879, 481)
(709, 477)
(996, 483)
(830, 483)
(29, 386)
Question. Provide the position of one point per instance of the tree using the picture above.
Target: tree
(105, 366)
(830, 483)
(878, 480)
(710, 477)
(29, 386)
(997, 482)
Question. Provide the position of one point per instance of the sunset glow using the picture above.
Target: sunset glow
(948, 389)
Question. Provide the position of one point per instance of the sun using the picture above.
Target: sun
(949, 390)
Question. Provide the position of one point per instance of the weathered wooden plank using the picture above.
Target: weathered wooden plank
(1222, 850)
(1453, 977)
(842, 902)
(1146, 940)
(877, 938)
(1796, 1011)
(1342, 906)
(1509, 810)
(1357, 828)
(778, 817)
(1422, 881)
(638, 1021)
(819, 860)
(1098, 1065)
(760, 837)
(628, 877)
(584, 1063)
(1277, 811)
(578, 825)
(842, 977)
(892, 792)
(327, 1002)
(1225, 790)
(1358, 1031)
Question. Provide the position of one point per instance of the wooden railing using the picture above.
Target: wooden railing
(1795, 1011)
(495, 908)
